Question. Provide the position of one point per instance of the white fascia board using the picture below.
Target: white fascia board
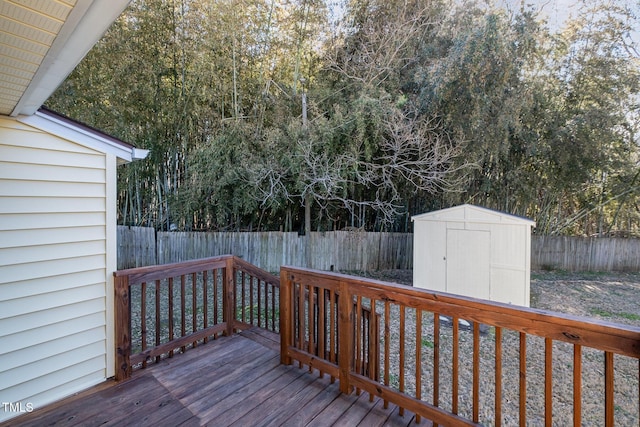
(139, 153)
(86, 24)
(444, 215)
(85, 137)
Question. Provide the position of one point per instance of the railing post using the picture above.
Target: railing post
(286, 312)
(228, 301)
(122, 327)
(345, 337)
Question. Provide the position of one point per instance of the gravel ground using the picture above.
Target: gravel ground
(610, 297)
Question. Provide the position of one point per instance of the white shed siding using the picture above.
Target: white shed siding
(473, 251)
(54, 265)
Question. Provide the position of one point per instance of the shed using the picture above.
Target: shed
(473, 251)
(57, 210)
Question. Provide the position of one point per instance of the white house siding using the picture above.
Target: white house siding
(55, 266)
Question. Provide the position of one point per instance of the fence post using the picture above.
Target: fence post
(228, 301)
(345, 337)
(286, 312)
(122, 327)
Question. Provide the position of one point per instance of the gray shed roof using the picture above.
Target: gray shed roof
(472, 213)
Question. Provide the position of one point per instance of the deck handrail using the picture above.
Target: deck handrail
(300, 317)
(188, 302)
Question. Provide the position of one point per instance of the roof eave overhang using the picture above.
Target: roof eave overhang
(86, 24)
(66, 129)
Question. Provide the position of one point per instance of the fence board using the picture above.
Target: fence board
(585, 253)
(136, 247)
(354, 250)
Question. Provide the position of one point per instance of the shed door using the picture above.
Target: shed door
(468, 262)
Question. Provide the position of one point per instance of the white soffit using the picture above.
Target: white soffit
(42, 41)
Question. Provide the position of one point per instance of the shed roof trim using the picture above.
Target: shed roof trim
(472, 213)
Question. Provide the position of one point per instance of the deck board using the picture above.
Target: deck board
(235, 380)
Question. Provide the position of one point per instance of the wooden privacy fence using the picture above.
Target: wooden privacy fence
(167, 308)
(460, 361)
(585, 253)
(354, 250)
(336, 250)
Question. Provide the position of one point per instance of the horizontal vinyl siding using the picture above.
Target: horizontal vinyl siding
(34, 254)
(51, 236)
(28, 319)
(48, 189)
(44, 302)
(45, 269)
(26, 288)
(33, 371)
(49, 220)
(34, 156)
(53, 268)
(55, 379)
(44, 205)
(39, 173)
(60, 345)
(52, 331)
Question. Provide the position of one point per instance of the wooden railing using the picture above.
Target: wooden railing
(461, 361)
(167, 308)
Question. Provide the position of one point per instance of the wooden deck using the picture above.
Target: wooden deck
(235, 380)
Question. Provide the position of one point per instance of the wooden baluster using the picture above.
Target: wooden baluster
(286, 317)
(310, 319)
(322, 327)
(374, 346)
(158, 312)
(455, 361)
(476, 372)
(260, 282)
(436, 361)
(295, 288)
(243, 297)
(205, 302)
(523, 380)
(170, 309)
(548, 382)
(229, 302)
(143, 319)
(251, 289)
(577, 385)
(345, 337)
(358, 336)
(332, 328)
(608, 389)
(387, 337)
(183, 309)
(216, 295)
(273, 307)
(194, 306)
(401, 365)
(300, 308)
(418, 358)
(267, 291)
(498, 379)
